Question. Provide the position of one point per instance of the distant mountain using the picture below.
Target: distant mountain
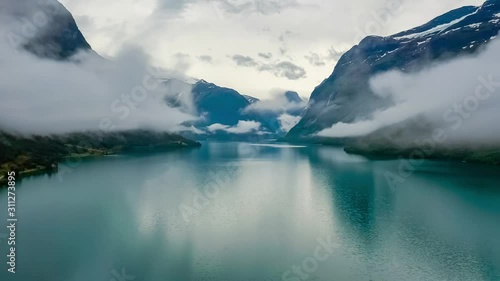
(57, 38)
(224, 106)
(219, 104)
(346, 96)
(293, 97)
(251, 100)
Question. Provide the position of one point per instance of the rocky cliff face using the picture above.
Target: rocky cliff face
(346, 96)
(227, 107)
(45, 28)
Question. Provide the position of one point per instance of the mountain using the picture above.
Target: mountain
(44, 28)
(293, 97)
(251, 100)
(346, 96)
(48, 30)
(218, 105)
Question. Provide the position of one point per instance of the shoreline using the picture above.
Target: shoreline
(484, 157)
(89, 156)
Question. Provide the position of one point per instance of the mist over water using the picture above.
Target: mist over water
(268, 206)
(460, 96)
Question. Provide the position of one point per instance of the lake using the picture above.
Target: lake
(246, 212)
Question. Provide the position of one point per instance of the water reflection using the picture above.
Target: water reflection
(233, 211)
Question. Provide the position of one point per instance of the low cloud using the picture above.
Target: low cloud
(85, 92)
(277, 103)
(182, 62)
(243, 127)
(461, 97)
(287, 121)
(92, 94)
(191, 129)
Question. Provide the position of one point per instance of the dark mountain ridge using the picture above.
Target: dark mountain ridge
(44, 28)
(221, 105)
(346, 96)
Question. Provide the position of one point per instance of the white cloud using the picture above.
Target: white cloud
(288, 121)
(248, 27)
(243, 127)
(461, 97)
(276, 103)
(45, 96)
(191, 129)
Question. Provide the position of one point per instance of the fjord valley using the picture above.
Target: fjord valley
(388, 96)
(145, 148)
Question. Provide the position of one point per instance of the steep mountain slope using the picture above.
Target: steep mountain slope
(225, 106)
(293, 97)
(346, 95)
(220, 105)
(250, 99)
(45, 28)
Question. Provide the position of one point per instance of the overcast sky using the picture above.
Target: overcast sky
(253, 46)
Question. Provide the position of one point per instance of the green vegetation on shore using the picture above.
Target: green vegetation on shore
(28, 155)
(484, 155)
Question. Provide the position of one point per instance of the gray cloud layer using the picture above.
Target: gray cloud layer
(86, 92)
(316, 59)
(283, 69)
(461, 97)
(264, 7)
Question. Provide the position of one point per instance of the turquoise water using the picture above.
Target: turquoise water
(242, 212)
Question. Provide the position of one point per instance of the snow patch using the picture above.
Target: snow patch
(433, 30)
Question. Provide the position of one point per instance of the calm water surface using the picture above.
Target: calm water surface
(242, 212)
